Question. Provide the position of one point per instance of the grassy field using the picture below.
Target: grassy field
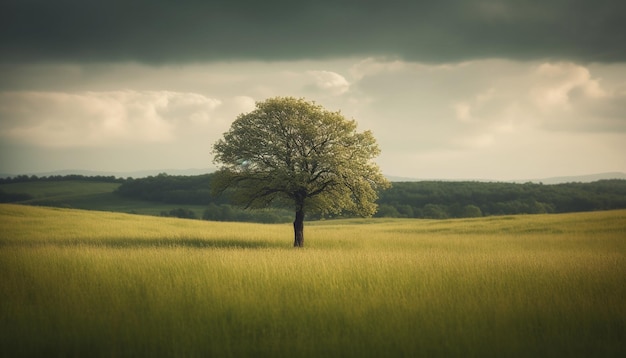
(60, 190)
(90, 196)
(79, 283)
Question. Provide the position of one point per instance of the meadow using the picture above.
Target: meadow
(82, 283)
(89, 195)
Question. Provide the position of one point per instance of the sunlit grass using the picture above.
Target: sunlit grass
(23, 225)
(104, 284)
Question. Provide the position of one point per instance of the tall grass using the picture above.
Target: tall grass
(101, 284)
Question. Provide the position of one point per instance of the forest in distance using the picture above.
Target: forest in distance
(421, 199)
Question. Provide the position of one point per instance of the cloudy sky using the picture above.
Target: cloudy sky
(452, 89)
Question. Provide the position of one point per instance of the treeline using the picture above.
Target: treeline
(171, 189)
(70, 177)
(426, 199)
(226, 212)
(7, 197)
(440, 200)
(195, 190)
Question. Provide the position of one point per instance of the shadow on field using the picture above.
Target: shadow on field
(190, 243)
(151, 243)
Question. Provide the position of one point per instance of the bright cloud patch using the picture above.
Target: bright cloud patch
(556, 84)
(58, 119)
(330, 81)
(561, 97)
(568, 97)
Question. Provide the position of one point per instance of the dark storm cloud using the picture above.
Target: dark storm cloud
(160, 31)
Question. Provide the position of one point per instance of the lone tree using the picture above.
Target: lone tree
(290, 151)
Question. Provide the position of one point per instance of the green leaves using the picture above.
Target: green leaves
(291, 150)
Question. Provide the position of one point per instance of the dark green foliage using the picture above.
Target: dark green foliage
(13, 197)
(170, 189)
(195, 190)
(180, 213)
(434, 211)
(426, 199)
(70, 177)
(387, 211)
(227, 212)
(439, 200)
(471, 211)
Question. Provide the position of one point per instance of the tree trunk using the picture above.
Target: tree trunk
(298, 228)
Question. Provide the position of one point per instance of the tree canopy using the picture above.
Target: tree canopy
(294, 152)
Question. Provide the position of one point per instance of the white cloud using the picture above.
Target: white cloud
(567, 97)
(330, 81)
(59, 119)
(556, 85)
(174, 106)
(561, 97)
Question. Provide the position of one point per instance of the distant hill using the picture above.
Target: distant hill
(179, 195)
(199, 171)
(578, 179)
(447, 199)
(123, 174)
(551, 180)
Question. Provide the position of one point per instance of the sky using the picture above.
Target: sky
(451, 89)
